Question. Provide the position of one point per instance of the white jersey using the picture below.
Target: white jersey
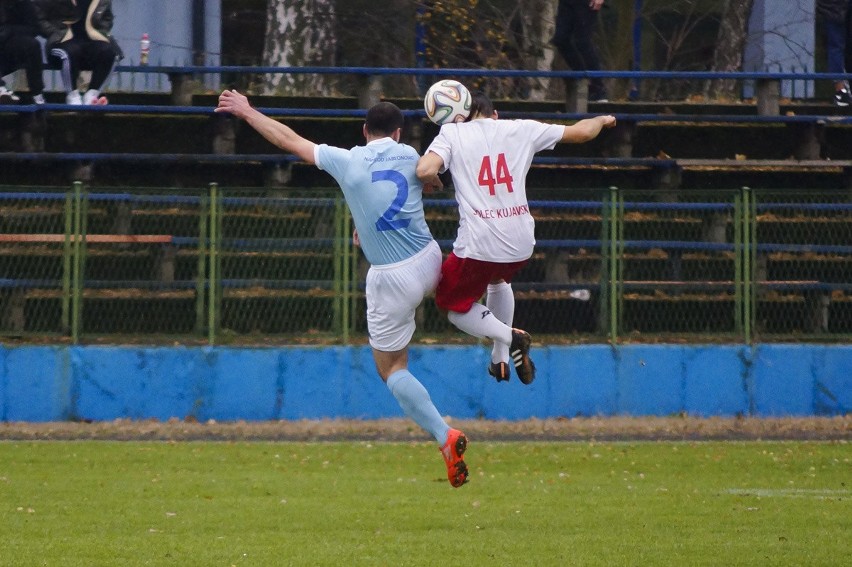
(489, 160)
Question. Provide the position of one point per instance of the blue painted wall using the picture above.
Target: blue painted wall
(44, 383)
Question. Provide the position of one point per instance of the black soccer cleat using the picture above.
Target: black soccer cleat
(519, 350)
(500, 371)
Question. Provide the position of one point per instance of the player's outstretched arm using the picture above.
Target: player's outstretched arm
(587, 129)
(277, 133)
(427, 170)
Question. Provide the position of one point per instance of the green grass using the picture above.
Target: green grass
(252, 503)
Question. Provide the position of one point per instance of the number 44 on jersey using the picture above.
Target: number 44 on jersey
(492, 176)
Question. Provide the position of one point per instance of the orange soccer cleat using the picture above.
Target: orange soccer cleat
(452, 451)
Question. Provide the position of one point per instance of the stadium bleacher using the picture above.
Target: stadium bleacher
(679, 247)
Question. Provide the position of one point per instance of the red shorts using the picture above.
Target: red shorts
(465, 280)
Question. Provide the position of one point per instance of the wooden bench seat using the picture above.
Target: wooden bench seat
(90, 238)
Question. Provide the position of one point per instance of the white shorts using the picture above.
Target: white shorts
(393, 293)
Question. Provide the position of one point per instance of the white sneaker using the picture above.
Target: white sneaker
(91, 97)
(38, 99)
(74, 98)
(7, 96)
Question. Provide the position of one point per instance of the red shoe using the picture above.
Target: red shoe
(452, 451)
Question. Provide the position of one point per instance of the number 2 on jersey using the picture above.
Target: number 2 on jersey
(387, 220)
(490, 178)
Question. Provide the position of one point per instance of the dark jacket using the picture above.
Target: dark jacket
(55, 18)
(833, 10)
(17, 17)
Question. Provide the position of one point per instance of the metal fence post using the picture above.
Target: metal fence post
(603, 322)
(66, 262)
(749, 234)
(77, 263)
(348, 279)
(201, 265)
(614, 246)
(213, 279)
(619, 260)
(337, 251)
(751, 265)
(739, 245)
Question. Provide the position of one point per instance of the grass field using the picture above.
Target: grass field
(92, 503)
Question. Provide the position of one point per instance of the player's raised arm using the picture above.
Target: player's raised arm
(587, 129)
(281, 135)
(427, 170)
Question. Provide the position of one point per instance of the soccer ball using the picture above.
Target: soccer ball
(447, 101)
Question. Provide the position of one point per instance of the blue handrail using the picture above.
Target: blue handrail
(480, 72)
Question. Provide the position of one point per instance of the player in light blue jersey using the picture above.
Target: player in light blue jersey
(386, 201)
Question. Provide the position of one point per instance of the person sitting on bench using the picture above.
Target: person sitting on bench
(19, 48)
(78, 37)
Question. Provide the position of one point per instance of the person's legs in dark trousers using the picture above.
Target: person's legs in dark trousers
(838, 47)
(847, 43)
(24, 52)
(575, 26)
(66, 56)
(28, 53)
(7, 65)
(99, 56)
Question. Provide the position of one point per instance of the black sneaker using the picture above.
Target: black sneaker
(500, 370)
(842, 98)
(519, 350)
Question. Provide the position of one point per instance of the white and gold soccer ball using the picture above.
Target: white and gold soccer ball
(447, 101)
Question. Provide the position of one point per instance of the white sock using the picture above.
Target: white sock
(501, 301)
(480, 322)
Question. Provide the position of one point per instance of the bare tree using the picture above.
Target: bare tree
(676, 26)
(491, 34)
(537, 23)
(299, 33)
(494, 34)
(730, 45)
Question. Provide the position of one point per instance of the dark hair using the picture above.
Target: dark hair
(384, 118)
(481, 105)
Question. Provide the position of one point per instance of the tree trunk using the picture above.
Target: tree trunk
(299, 33)
(730, 44)
(539, 22)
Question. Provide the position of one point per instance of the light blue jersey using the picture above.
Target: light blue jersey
(384, 196)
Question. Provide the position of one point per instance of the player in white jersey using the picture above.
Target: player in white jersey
(489, 160)
(386, 201)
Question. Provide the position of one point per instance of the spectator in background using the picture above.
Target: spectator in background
(19, 48)
(836, 19)
(575, 26)
(78, 37)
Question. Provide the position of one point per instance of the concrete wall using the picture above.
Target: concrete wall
(781, 39)
(48, 383)
(169, 25)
